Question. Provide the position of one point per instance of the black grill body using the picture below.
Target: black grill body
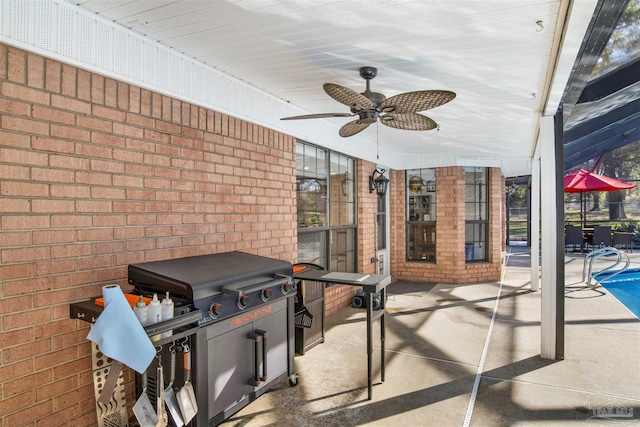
(244, 342)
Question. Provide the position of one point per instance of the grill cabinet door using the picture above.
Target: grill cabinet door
(230, 368)
(231, 360)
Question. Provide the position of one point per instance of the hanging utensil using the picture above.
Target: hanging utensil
(143, 409)
(163, 419)
(186, 395)
(170, 395)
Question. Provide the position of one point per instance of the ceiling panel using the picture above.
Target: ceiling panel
(493, 54)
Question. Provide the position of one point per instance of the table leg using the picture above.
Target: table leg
(383, 331)
(369, 297)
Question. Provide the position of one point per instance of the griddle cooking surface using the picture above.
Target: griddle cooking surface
(200, 276)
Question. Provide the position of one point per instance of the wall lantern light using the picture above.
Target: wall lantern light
(378, 184)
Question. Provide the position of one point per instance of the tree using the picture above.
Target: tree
(622, 164)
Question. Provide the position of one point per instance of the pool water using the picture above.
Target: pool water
(625, 287)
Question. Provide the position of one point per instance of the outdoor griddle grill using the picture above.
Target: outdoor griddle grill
(371, 284)
(245, 340)
(235, 311)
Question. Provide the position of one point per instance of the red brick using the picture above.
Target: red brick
(69, 80)
(108, 220)
(107, 248)
(22, 157)
(16, 404)
(52, 206)
(127, 156)
(69, 251)
(16, 65)
(46, 268)
(106, 166)
(24, 222)
(71, 368)
(58, 387)
(52, 175)
(20, 320)
(15, 271)
(68, 162)
(70, 191)
(53, 236)
(25, 93)
(46, 299)
(68, 132)
(15, 205)
(26, 286)
(13, 139)
(55, 145)
(70, 221)
(9, 106)
(97, 92)
(20, 124)
(95, 234)
(112, 115)
(128, 181)
(71, 280)
(52, 420)
(17, 369)
(26, 351)
(70, 104)
(34, 413)
(55, 328)
(84, 85)
(123, 95)
(139, 120)
(93, 178)
(8, 305)
(108, 139)
(18, 188)
(24, 254)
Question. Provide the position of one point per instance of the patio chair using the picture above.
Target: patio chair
(601, 237)
(573, 236)
(623, 239)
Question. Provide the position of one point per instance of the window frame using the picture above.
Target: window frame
(420, 215)
(478, 242)
(326, 231)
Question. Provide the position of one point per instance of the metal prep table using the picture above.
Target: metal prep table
(371, 284)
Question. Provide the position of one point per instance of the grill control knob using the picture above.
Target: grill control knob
(286, 287)
(216, 309)
(243, 302)
(266, 294)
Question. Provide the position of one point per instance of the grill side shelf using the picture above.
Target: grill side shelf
(88, 311)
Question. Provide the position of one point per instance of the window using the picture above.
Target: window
(381, 219)
(476, 213)
(325, 190)
(421, 215)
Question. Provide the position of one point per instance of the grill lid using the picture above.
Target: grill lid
(201, 276)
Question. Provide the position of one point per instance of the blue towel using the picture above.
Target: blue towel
(119, 334)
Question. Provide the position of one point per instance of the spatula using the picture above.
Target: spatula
(170, 396)
(143, 410)
(186, 396)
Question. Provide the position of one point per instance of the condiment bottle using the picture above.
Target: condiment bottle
(167, 313)
(141, 311)
(154, 314)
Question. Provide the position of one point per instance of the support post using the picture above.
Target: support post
(535, 224)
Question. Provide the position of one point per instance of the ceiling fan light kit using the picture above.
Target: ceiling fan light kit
(398, 112)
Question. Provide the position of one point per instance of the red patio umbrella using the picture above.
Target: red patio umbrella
(582, 181)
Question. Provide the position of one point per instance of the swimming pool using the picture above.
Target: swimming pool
(626, 288)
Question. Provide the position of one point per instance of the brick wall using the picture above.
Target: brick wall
(450, 265)
(96, 174)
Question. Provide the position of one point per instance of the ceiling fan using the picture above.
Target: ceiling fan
(399, 111)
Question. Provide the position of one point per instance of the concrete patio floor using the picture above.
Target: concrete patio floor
(468, 355)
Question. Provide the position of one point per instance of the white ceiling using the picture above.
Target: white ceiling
(493, 54)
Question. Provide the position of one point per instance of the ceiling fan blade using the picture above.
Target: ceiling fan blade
(318, 116)
(412, 102)
(352, 128)
(408, 121)
(348, 97)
